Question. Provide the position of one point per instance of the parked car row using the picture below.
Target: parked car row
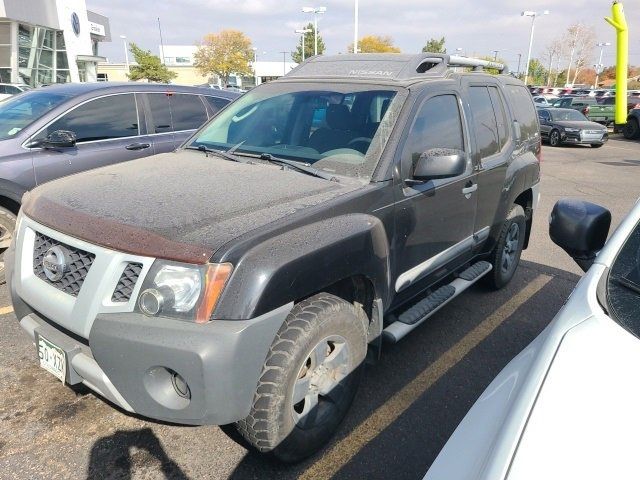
(586, 92)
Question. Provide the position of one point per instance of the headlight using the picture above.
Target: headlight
(572, 130)
(186, 292)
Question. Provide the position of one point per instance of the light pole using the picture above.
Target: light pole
(316, 11)
(519, 62)
(355, 27)
(255, 59)
(303, 32)
(495, 54)
(599, 66)
(460, 51)
(126, 53)
(533, 16)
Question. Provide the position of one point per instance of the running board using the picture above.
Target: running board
(425, 308)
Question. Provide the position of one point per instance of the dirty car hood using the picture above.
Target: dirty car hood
(181, 206)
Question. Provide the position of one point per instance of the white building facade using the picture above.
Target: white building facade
(50, 41)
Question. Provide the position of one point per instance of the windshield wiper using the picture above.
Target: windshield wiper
(227, 154)
(301, 167)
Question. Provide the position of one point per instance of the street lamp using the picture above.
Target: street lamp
(126, 53)
(599, 66)
(316, 11)
(303, 32)
(533, 15)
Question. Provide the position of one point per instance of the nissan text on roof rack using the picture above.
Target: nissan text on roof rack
(245, 277)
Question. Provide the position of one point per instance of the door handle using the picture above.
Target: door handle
(137, 146)
(469, 190)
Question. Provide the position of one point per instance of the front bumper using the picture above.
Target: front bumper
(130, 359)
(578, 139)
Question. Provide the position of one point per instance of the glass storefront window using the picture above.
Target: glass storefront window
(5, 75)
(41, 55)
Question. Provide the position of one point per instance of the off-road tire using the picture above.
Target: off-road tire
(270, 425)
(7, 228)
(631, 130)
(554, 138)
(498, 277)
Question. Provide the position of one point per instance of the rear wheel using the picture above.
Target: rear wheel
(506, 256)
(554, 138)
(631, 130)
(7, 227)
(309, 378)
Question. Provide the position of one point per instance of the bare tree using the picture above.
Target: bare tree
(580, 39)
(553, 51)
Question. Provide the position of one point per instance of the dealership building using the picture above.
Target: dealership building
(50, 41)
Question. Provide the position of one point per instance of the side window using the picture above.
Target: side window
(113, 116)
(544, 115)
(3, 89)
(216, 103)
(484, 121)
(187, 111)
(160, 112)
(501, 116)
(523, 110)
(12, 90)
(437, 125)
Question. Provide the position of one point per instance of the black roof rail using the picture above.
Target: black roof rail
(392, 66)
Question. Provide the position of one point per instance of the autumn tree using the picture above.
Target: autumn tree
(435, 46)
(552, 55)
(375, 44)
(309, 45)
(223, 54)
(148, 67)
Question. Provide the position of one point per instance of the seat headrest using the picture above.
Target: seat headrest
(339, 117)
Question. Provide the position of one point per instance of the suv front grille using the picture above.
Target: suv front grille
(79, 264)
(127, 282)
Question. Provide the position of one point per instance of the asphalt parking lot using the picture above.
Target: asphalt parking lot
(408, 405)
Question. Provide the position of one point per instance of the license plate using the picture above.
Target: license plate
(52, 358)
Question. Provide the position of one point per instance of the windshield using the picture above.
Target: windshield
(341, 129)
(568, 115)
(23, 109)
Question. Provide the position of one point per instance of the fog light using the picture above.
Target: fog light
(180, 385)
(151, 301)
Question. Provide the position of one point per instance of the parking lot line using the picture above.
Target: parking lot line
(344, 450)
(6, 310)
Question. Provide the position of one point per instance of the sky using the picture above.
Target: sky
(476, 26)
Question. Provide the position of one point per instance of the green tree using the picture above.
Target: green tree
(493, 71)
(435, 46)
(375, 44)
(148, 67)
(223, 54)
(309, 45)
(537, 72)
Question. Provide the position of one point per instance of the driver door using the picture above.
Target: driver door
(434, 220)
(107, 130)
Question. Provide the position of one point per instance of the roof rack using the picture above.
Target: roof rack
(392, 66)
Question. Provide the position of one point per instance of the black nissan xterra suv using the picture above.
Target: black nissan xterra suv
(244, 277)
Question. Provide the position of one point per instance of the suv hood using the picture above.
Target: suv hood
(180, 206)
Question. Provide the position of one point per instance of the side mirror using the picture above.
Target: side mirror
(59, 139)
(580, 228)
(439, 163)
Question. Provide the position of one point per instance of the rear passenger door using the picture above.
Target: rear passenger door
(493, 145)
(107, 130)
(188, 113)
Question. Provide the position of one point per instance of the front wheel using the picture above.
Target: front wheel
(554, 138)
(7, 226)
(309, 378)
(506, 256)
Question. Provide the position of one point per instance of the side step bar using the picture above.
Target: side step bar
(425, 308)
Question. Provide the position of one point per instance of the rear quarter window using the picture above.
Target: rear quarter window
(523, 109)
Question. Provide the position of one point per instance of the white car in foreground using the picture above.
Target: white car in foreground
(568, 406)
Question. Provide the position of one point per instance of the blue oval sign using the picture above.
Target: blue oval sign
(75, 23)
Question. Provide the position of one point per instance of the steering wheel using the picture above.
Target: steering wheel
(359, 142)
